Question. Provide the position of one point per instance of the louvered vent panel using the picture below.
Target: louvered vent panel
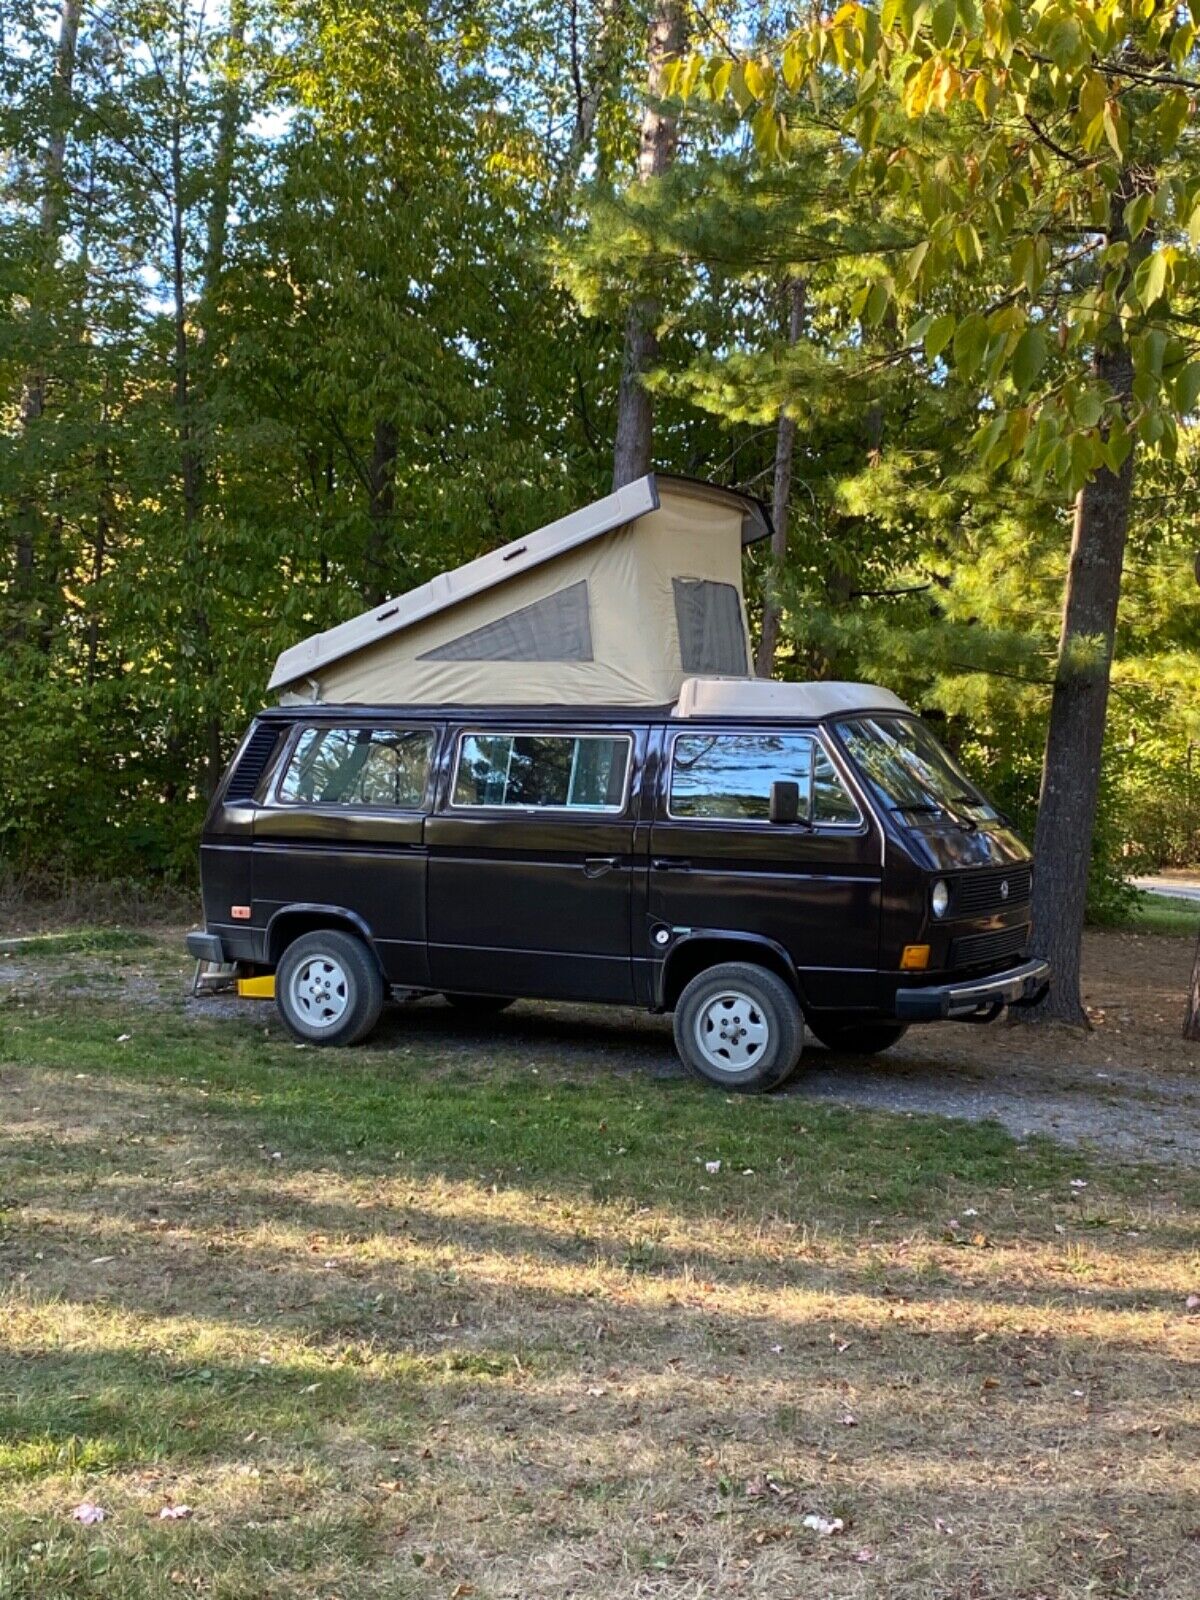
(988, 949)
(983, 890)
(259, 748)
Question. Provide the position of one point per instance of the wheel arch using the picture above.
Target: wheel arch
(291, 921)
(694, 952)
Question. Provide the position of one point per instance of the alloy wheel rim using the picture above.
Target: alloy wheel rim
(319, 991)
(731, 1032)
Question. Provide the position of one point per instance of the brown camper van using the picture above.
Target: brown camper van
(767, 861)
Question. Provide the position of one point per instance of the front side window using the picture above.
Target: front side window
(359, 767)
(910, 772)
(585, 772)
(728, 777)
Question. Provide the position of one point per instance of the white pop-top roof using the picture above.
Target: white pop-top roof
(760, 697)
(615, 510)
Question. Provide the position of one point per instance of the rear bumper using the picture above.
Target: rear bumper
(205, 947)
(975, 998)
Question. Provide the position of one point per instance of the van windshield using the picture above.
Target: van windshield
(911, 773)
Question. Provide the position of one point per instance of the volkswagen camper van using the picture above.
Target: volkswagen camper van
(550, 774)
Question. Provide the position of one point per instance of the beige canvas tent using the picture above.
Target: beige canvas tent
(615, 604)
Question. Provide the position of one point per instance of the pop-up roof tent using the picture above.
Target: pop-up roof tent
(615, 604)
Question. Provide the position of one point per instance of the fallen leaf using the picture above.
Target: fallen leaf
(88, 1514)
(174, 1513)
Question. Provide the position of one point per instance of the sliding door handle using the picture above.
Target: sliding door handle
(597, 866)
(670, 864)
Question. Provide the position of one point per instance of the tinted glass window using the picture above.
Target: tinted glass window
(832, 803)
(359, 767)
(910, 771)
(522, 769)
(729, 776)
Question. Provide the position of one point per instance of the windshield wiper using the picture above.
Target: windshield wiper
(938, 809)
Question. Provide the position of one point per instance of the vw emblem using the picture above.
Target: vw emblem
(1004, 889)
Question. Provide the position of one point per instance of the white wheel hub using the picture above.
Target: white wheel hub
(319, 992)
(731, 1032)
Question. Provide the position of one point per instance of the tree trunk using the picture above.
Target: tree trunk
(587, 100)
(1191, 1017)
(1078, 708)
(785, 448)
(383, 508)
(635, 409)
(50, 222)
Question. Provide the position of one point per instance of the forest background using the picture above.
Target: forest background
(305, 301)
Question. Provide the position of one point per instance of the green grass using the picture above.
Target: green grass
(610, 1134)
(432, 1319)
(1162, 913)
(78, 941)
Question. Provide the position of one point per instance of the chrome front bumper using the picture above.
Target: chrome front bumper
(975, 999)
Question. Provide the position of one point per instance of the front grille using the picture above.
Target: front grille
(976, 893)
(989, 949)
(259, 749)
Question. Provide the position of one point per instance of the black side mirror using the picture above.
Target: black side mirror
(784, 804)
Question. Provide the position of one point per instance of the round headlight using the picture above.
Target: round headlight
(939, 899)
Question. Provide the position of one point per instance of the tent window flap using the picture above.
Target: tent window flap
(557, 628)
(712, 636)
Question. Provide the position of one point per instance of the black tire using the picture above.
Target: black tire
(855, 1038)
(340, 966)
(748, 998)
(479, 1005)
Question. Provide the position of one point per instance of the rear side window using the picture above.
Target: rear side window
(564, 772)
(359, 767)
(728, 777)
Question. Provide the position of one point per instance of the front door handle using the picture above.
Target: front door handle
(597, 866)
(670, 864)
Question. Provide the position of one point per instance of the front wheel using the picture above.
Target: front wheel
(856, 1038)
(328, 988)
(739, 1026)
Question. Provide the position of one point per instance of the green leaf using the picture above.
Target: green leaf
(1113, 130)
(1093, 92)
(1137, 214)
(1187, 389)
(1028, 358)
(876, 306)
(1150, 279)
(938, 336)
(941, 23)
(967, 243)
(970, 342)
(1117, 446)
(914, 259)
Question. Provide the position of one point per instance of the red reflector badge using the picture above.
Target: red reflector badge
(240, 913)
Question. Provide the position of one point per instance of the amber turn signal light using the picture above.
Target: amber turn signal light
(914, 958)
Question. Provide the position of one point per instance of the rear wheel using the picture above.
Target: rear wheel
(855, 1037)
(479, 1005)
(328, 988)
(739, 1026)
